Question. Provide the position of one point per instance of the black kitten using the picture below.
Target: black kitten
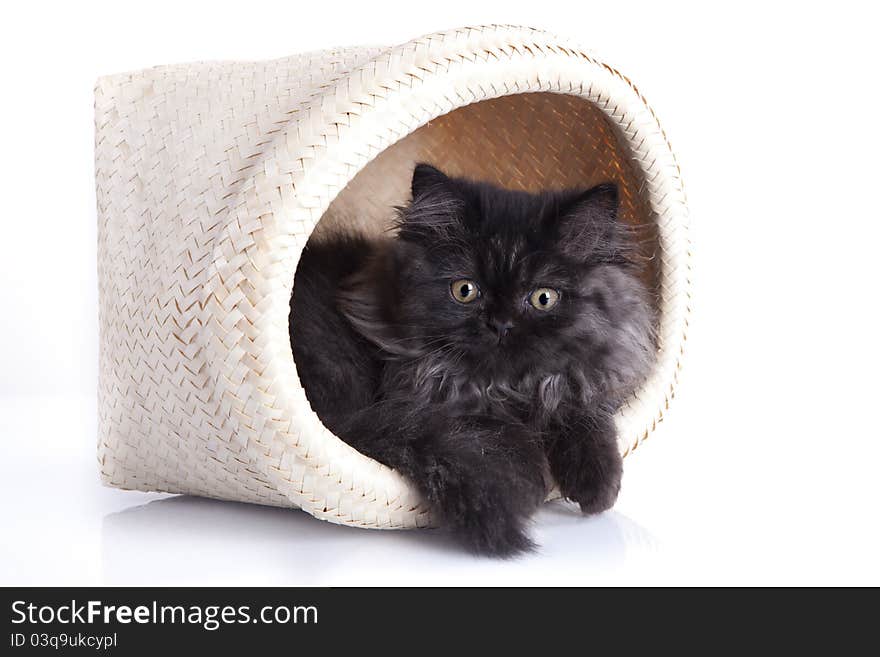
(481, 352)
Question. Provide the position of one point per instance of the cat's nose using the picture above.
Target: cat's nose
(500, 326)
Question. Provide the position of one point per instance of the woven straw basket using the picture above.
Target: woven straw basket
(211, 177)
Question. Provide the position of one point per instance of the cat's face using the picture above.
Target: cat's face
(503, 285)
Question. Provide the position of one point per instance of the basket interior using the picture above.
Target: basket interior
(528, 141)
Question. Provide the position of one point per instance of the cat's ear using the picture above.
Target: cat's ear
(587, 223)
(435, 207)
(428, 180)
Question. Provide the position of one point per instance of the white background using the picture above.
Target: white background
(765, 471)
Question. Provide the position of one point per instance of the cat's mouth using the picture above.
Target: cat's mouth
(498, 353)
(491, 346)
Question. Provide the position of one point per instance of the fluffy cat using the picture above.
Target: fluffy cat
(482, 351)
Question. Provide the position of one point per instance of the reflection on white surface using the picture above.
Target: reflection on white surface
(62, 527)
(196, 541)
(716, 512)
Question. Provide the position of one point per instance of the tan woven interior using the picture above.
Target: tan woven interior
(527, 141)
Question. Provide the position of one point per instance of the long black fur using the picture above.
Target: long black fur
(481, 419)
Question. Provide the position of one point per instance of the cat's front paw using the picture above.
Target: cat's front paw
(588, 466)
(502, 535)
(486, 508)
(597, 492)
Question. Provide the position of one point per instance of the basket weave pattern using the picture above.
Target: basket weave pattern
(211, 177)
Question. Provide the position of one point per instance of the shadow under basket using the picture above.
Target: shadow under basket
(211, 177)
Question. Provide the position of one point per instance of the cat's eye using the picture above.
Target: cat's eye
(465, 290)
(544, 298)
